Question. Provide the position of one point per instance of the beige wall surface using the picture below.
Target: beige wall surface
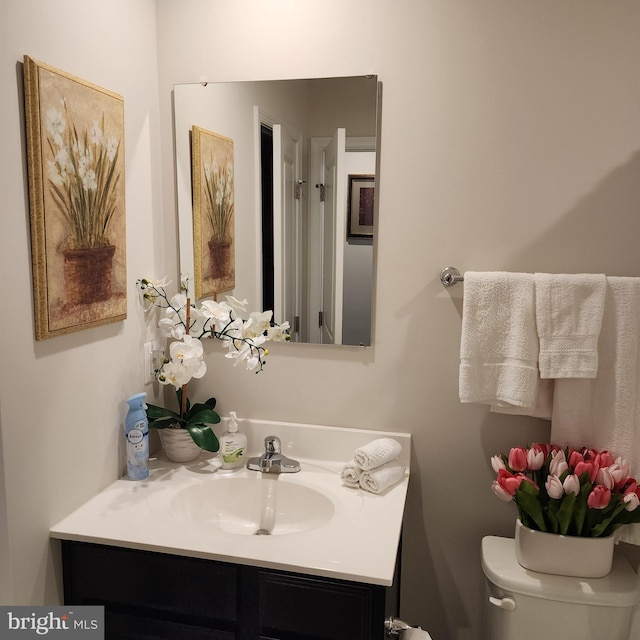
(510, 141)
(62, 399)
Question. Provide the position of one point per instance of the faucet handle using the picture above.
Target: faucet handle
(272, 444)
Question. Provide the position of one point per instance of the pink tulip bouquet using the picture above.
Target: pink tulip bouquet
(584, 492)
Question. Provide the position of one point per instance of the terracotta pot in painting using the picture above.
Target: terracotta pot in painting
(220, 257)
(88, 274)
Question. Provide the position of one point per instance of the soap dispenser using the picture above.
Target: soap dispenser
(233, 445)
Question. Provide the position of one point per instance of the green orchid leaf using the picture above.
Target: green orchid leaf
(198, 408)
(163, 423)
(154, 412)
(204, 417)
(204, 437)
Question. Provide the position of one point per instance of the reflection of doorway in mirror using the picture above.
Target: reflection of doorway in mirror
(213, 212)
(280, 151)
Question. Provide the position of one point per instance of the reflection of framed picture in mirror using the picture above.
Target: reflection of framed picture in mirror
(75, 159)
(213, 213)
(360, 206)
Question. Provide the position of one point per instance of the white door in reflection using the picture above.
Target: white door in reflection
(334, 225)
(287, 227)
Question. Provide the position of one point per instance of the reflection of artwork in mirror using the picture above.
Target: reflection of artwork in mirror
(75, 157)
(213, 212)
(360, 209)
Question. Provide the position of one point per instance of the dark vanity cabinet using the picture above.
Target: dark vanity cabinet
(156, 596)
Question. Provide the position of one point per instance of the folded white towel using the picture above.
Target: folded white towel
(499, 343)
(381, 478)
(351, 473)
(569, 309)
(376, 453)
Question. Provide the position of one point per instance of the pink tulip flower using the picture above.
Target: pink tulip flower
(604, 459)
(626, 485)
(518, 459)
(508, 482)
(599, 497)
(574, 458)
(588, 466)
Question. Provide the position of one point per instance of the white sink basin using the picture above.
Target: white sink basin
(317, 525)
(263, 504)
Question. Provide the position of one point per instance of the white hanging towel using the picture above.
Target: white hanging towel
(499, 343)
(604, 413)
(569, 309)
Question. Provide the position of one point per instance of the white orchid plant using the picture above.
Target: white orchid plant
(243, 334)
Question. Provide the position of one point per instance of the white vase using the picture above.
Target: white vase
(563, 555)
(178, 445)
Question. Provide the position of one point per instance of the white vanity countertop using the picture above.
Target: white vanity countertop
(359, 542)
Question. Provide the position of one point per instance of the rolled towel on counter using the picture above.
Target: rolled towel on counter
(377, 453)
(350, 474)
(382, 477)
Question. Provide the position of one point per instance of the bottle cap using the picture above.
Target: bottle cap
(233, 425)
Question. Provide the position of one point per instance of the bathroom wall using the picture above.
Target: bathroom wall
(62, 399)
(510, 140)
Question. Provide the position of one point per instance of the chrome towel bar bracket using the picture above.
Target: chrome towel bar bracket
(450, 276)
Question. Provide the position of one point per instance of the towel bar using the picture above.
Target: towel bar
(450, 276)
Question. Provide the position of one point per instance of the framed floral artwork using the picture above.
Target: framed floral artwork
(213, 213)
(75, 161)
(360, 206)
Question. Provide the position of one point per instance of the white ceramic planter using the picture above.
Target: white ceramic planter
(563, 555)
(178, 445)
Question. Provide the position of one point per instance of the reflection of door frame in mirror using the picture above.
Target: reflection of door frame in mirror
(287, 238)
(314, 264)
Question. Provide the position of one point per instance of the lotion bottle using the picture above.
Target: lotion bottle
(233, 445)
(136, 430)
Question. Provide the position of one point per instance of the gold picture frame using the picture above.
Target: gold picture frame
(213, 212)
(75, 162)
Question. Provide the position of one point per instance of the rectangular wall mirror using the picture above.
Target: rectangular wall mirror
(302, 155)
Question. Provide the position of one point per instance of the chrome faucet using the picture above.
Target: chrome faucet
(272, 460)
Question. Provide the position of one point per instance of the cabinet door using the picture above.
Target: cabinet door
(299, 607)
(151, 585)
(122, 626)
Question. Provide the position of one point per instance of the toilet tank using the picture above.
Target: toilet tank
(525, 605)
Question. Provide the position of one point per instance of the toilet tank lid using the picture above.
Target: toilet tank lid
(620, 588)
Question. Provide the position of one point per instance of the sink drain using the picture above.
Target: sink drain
(263, 532)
